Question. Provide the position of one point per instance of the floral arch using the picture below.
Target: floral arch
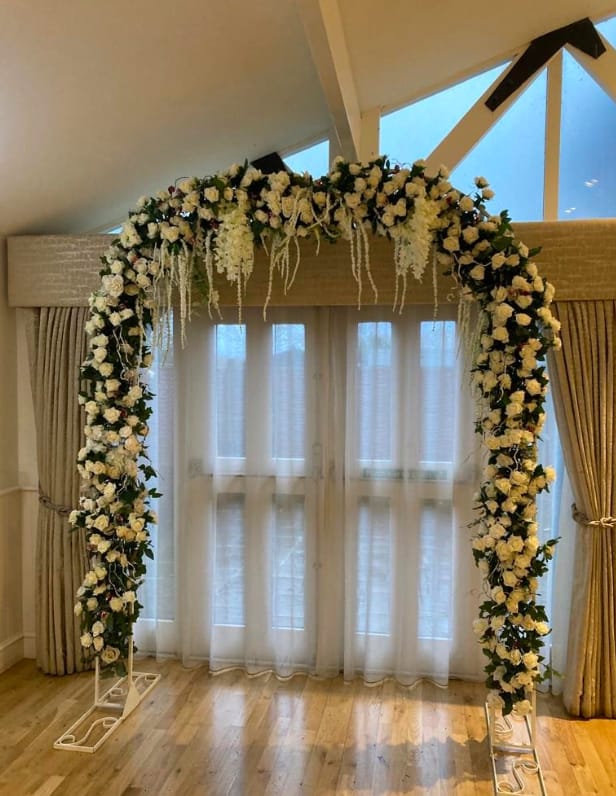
(183, 239)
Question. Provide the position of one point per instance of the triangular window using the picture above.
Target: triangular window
(587, 187)
(412, 132)
(512, 156)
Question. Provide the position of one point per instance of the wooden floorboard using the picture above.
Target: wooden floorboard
(232, 735)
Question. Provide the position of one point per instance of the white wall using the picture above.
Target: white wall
(11, 548)
(18, 485)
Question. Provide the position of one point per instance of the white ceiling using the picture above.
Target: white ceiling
(101, 102)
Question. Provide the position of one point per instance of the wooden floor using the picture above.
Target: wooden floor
(198, 734)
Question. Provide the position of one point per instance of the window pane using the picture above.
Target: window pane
(313, 159)
(608, 29)
(511, 157)
(229, 556)
(587, 164)
(375, 391)
(288, 391)
(437, 361)
(289, 562)
(230, 376)
(411, 133)
(435, 570)
(374, 567)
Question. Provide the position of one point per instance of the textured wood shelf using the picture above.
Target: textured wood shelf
(197, 734)
(62, 270)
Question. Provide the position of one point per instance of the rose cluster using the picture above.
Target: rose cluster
(516, 328)
(113, 465)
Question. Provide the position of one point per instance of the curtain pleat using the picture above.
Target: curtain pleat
(583, 382)
(57, 346)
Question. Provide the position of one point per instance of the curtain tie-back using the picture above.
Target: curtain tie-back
(46, 501)
(582, 519)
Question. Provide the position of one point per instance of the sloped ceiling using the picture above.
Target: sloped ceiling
(103, 102)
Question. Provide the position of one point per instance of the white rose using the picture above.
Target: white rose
(101, 523)
(502, 313)
(530, 660)
(111, 415)
(451, 244)
(116, 603)
(113, 285)
(498, 595)
(466, 204)
(498, 260)
(106, 369)
(503, 485)
(92, 604)
(98, 628)
(169, 232)
(110, 655)
(132, 444)
(112, 385)
(509, 578)
(477, 272)
(497, 622)
(523, 301)
(523, 319)
(86, 640)
(78, 609)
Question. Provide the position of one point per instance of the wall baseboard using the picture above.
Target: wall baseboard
(29, 646)
(11, 652)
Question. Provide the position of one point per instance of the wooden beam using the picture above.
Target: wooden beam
(325, 34)
(472, 127)
(370, 135)
(552, 138)
(602, 69)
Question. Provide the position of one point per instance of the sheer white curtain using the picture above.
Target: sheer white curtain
(318, 472)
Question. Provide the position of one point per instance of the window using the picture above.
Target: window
(512, 156)
(512, 152)
(587, 169)
(324, 470)
(313, 159)
(412, 132)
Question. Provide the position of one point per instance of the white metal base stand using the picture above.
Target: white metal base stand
(513, 746)
(88, 734)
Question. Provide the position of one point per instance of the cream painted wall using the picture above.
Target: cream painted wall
(11, 581)
(8, 383)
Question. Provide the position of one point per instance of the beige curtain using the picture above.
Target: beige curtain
(584, 395)
(56, 342)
